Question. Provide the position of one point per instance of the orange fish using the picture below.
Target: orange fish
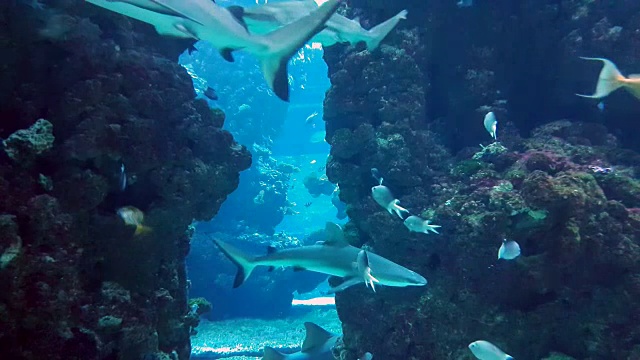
(134, 216)
(611, 79)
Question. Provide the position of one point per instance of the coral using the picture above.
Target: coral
(77, 283)
(24, 146)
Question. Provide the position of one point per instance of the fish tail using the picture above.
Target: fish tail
(380, 31)
(244, 262)
(142, 230)
(284, 42)
(610, 79)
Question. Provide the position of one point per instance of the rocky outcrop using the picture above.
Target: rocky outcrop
(566, 192)
(76, 282)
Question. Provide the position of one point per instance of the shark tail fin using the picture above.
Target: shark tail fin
(272, 354)
(244, 262)
(610, 79)
(380, 31)
(284, 42)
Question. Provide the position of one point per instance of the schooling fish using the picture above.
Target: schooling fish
(134, 216)
(362, 264)
(123, 178)
(418, 224)
(491, 124)
(611, 79)
(485, 350)
(509, 250)
(382, 195)
(224, 29)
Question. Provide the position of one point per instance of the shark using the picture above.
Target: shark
(339, 29)
(334, 257)
(224, 29)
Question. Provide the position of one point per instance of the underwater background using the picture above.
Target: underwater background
(127, 156)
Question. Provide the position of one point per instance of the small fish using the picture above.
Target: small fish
(601, 106)
(376, 175)
(211, 93)
(364, 269)
(491, 124)
(123, 178)
(243, 107)
(308, 204)
(417, 224)
(311, 118)
(313, 162)
(611, 79)
(382, 195)
(485, 350)
(194, 309)
(366, 356)
(134, 216)
(509, 250)
(465, 3)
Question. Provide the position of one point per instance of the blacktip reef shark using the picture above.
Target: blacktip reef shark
(332, 257)
(318, 344)
(223, 28)
(265, 18)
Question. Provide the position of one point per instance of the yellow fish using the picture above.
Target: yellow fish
(134, 216)
(611, 79)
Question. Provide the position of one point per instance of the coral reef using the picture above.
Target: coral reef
(567, 193)
(76, 281)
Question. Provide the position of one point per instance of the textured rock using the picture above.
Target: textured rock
(76, 282)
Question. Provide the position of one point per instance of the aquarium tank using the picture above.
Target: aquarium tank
(319, 179)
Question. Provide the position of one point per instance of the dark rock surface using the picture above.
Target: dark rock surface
(567, 192)
(76, 282)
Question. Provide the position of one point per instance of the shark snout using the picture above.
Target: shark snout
(417, 280)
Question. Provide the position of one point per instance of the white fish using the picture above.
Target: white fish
(611, 79)
(418, 224)
(509, 250)
(491, 124)
(485, 350)
(382, 195)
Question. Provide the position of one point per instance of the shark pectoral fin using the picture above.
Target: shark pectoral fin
(186, 31)
(379, 32)
(316, 337)
(227, 54)
(285, 41)
(270, 353)
(238, 14)
(347, 283)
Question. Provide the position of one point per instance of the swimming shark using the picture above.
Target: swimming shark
(265, 18)
(223, 28)
(332, 257)
(318, 344)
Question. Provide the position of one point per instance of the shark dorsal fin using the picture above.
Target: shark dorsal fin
(272, 354)
(238, 14)
(334, 234)
(316, 336)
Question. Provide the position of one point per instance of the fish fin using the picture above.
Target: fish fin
(379, 32)
(298, 268)
(227, 54)
(634, 89)
(609, 80)
(335, 235)
(347, 283)
(272, 354)
(142, 230)
(176, 10)
(284, 42)
(633, 76)
(238, 14)
(244, 262)
(316, 336)
(399, 210)
(186, 31)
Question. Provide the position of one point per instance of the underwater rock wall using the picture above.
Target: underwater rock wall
(86, 92)
(567, 194)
